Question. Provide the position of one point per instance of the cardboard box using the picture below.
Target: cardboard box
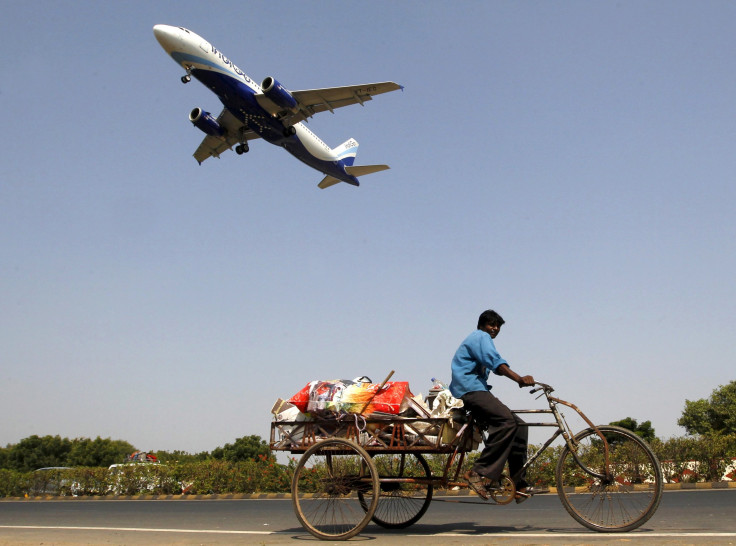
(281, 405)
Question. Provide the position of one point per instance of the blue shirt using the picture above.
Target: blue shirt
(474, 360)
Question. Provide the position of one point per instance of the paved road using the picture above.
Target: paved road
(684, 517)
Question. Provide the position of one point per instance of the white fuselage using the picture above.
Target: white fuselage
(237, 91)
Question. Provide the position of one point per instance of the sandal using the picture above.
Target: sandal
(475, 482)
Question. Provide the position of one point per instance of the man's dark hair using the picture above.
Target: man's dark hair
(490, 318)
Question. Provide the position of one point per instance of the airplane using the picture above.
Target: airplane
(267, 111)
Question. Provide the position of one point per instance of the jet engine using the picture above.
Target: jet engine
(204, 121)
(279, 94)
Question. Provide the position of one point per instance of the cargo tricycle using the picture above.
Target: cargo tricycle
(355, 468)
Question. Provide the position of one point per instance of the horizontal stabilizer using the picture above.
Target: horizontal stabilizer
(360, 170)
(355, 170)
(328, 181)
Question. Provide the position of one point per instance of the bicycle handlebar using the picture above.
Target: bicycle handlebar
(541, 387)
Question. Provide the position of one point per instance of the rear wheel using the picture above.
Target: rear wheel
(617, 498)
(327, 482)
(406, 490)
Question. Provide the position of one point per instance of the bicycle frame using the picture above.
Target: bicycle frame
(563, 429)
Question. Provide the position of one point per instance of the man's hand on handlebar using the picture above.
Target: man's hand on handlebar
(526, 381)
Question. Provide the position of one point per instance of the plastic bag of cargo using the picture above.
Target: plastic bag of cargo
(344, 395)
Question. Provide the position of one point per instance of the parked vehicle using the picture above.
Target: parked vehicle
(50, 480)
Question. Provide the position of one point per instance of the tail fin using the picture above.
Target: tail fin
(346, 152)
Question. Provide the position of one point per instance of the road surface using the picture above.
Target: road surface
(684, 517)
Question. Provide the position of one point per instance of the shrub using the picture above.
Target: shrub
(13, 483)
(542, 472)
(674, 455)
(710, 455)
(136, 479)
(683, 459)
(693, 459)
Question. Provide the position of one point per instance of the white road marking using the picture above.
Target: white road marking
(632, 534)
(638, 535)
(136, 529)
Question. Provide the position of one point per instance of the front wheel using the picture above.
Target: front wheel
(325, 488)
(616, 497)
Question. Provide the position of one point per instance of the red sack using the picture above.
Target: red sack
(342, 395)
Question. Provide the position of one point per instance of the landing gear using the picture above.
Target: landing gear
(242, 148)
(186, 79)
(289, 131)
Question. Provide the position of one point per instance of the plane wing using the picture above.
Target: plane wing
(314, 101)
(213, 146)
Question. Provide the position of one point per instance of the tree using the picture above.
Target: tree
(244, 449)
(645, 431)
(38, 451)
(98, 452)
(4, 457)
(716, 415)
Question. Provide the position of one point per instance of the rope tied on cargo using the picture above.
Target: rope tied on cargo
(357, 419)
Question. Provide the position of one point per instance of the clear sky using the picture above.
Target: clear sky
(569, 164)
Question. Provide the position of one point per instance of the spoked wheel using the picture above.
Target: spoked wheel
(619, 498)
(325, 488)
(402, 500)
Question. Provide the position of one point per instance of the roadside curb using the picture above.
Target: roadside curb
(269, 496)
(223, 496)
(673, 486)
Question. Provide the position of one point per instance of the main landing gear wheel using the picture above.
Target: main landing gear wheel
(240, 149)
(324, 488)
(186, 79)
(289, 131)
(611, 498)
(403, 501)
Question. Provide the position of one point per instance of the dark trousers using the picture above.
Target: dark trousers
(506, 440)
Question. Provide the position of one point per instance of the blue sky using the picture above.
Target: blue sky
(569, 164)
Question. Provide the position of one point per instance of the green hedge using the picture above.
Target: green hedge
(206, 477)
(683, 459)
(701, 459)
